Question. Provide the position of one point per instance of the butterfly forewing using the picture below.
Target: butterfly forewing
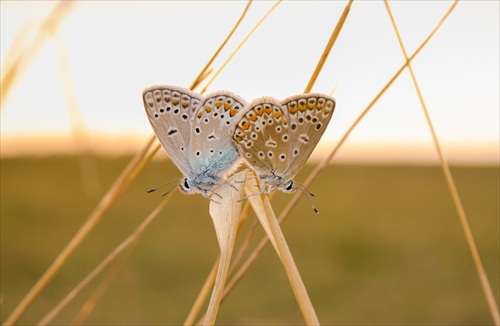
(309, 115)
(214, 121)
(170, 110)
(263, 136)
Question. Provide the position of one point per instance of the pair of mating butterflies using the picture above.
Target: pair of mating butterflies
(206, 136)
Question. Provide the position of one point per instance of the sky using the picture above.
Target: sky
(116, 49)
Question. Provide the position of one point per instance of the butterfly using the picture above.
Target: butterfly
(277, 137)
(196, 133)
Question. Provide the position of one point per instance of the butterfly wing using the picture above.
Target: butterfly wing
(212, 151)
(308, 115)
(170, 110)
(263, 136)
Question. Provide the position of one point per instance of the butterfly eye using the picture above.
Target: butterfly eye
(289, 187)
(185, 186)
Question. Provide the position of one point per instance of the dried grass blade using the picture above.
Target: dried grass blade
(239, 46)
(328, 48)
(130, 172)
(490, 298)
(256, 201)
(88, 166)
(265, 213)
(195, 310)
(203, 73)
(225, 217)
(106, 261)
(205, 291)
(18, 66)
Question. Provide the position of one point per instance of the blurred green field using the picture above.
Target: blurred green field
(386, 248)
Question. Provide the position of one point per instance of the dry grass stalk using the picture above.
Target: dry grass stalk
(88, 165)
(203, 73)
(131, 239)
(89, 305)
(267, 218)
(203, 294)
(205, 291)
(225, 215)
(125, 178)
(239, 46)
(14, 68)
(328, 48)
(451, 184)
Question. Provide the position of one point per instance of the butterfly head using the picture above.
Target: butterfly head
(187, 187)
(287, 186)
(199, 185)
(274, 181)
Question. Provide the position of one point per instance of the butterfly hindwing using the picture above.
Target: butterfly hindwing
(211, 148)
(170, 110)
(309, 115)
(263, 135)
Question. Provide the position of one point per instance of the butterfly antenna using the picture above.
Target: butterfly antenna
(229, 183)
(307, 197)
(163, 185)
(166, 193)
(303, 187)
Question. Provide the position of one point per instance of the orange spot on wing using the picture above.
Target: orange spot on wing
(285, 122)
(302, 107)
(245, 125)
(277, 115)
(227, 106)
(208, 108)
(233, 112)
(185, 104)
(268, 110)
(199, 114)
(293, 109)
(252, 117)
(218, 104)
(175, 101)
(259, 111)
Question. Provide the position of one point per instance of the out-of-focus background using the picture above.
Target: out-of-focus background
(387, 246)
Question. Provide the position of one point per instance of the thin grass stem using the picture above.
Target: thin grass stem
(205, 291)
(225, 216)
(488, 293)
(14, 69)
(89, 305)
(328, 48)
(126, 177)
(117, 251)
(239, 46)
(203, 73)
(88, 166)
